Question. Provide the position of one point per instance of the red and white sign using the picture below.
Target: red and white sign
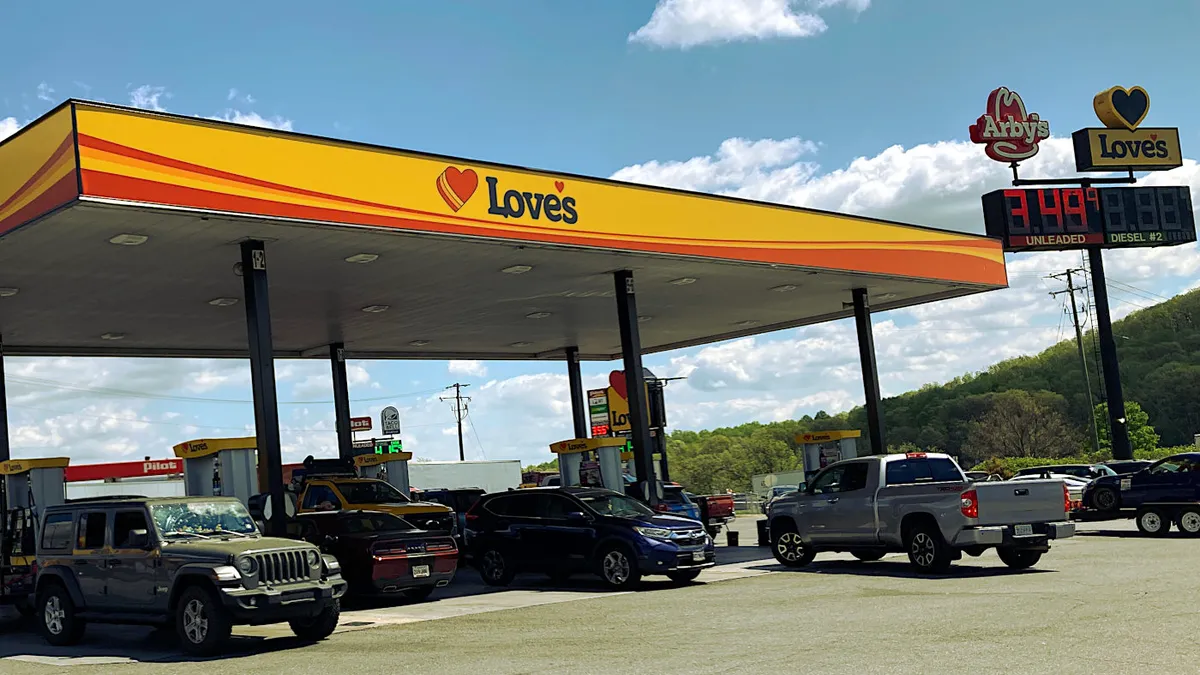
(1007, 131)
(360, 424)
(152, 467)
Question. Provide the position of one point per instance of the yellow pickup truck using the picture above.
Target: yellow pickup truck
(336, 493)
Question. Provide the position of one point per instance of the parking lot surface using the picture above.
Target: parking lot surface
(1106, 601)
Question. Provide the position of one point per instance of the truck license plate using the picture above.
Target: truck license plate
(698, 556)
(420, 571)
(1022, 530)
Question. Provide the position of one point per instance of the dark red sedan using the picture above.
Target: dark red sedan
(382, 554)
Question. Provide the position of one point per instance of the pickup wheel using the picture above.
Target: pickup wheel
(202, 623)
(320, 626)
(56, 616)
(1017, 559)
(789, 549)
(1153, 522)
(927, 550)
(1188, 521)
(868, 556)
(1105, 499)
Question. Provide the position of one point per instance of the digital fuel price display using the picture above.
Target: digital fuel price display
(1068, 218)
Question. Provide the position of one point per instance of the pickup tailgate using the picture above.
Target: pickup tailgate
(1032, 501)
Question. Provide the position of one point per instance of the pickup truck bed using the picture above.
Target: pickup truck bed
(921, 504)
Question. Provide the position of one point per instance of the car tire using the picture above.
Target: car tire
(495, 568)
(1188, 522)
(1153, 522)
(320, 626)
(1017, 559)
(683, 576)
(618, 568)
(57, 618)
(868, 556)
(927, 550)
(1105, 499)
(419, 594)
(789, 549)
(201, 622)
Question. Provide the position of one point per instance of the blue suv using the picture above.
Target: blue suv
(565, 531)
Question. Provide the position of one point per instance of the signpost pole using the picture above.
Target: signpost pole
(5, 452)
(1118, 429)
(579, 410)
(870, 372)
(341, 400)
(262, 379)
(635, 388)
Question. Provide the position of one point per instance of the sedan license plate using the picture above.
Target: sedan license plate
(698, 556)
(420, 571)
(1022, 530)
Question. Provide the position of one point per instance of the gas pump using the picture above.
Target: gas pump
(221, 466)
(591, 462)
(26, 486)
(34, 483)
(391, 468)
(822, 448)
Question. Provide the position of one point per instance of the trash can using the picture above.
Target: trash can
(764, 533)
(731, 538)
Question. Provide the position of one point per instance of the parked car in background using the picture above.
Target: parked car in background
(982, 476)
(715, 511)
(458, 499)
(332, 485)
(573, 530)
(382, 555)
(1086, 471)
(674, 499)
(778, 491)
(1167, 491)
(922, 504)
(1128, 466)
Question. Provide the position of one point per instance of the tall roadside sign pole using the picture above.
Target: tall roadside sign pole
(1088, 217)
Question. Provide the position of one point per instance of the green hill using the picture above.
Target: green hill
(1042, 397)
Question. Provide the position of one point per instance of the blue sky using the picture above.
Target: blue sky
(651, 91)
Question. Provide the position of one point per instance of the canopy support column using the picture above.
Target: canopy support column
(341, 400)
(5, 450)
(870, 372)
(262, 380)
(635, 386)
(579, 412)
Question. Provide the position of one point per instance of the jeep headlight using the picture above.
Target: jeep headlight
(314, 559)
(653, 532)
(247, 566)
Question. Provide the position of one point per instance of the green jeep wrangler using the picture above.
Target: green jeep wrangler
(196, 562)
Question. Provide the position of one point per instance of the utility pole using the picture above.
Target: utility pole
(1087, 380)
(460, 411)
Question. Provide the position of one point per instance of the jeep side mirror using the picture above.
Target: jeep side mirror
(138, 539)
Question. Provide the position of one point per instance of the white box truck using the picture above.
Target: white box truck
(488, 475)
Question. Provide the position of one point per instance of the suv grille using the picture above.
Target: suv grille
(280, 567)
(689, 537)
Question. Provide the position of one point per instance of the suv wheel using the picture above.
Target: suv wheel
(495, 568)
(57, 618)
(320, 626)
(619, 569)
(201, 622)
(927, 550)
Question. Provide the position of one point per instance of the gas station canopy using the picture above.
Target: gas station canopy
(120, 232)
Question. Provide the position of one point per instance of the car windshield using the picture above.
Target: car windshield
(373, 522)
(370, 492)
(615, 505)
(202, 518)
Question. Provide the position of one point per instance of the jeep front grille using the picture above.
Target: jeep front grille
(281, 567)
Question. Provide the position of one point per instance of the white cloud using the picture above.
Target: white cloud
(473, 368)
(45, 92)
(254, 119)
(149, 97)
(688, 23)
(8, 127)
(235, 95)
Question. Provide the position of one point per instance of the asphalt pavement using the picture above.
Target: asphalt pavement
(1106, 601)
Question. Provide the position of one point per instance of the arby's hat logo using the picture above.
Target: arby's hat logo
(1008, 132)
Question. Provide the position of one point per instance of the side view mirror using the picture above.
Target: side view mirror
(578, 517)
(328, 540)
(138, 539)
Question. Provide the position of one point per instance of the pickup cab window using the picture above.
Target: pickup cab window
(922, 470)
(841, 478)
(320, 497)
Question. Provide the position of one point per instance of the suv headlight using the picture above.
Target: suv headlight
(247, 566)
(653, 532)
(314, 559)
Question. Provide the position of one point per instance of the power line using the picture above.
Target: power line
(471, 421)
(460, 410)
(1087, 380)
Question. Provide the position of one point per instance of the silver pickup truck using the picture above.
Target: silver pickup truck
(921, 504)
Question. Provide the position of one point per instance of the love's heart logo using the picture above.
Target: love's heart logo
(1119, 107)
(1154, 137)
(559, 185)
(456, 186)
(616, 380)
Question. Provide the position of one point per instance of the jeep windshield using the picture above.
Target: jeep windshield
(202, 519)
(370, 492)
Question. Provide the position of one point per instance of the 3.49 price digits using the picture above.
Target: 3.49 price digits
(1058, 211)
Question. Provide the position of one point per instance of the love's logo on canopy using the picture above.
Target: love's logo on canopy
(456, 187)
